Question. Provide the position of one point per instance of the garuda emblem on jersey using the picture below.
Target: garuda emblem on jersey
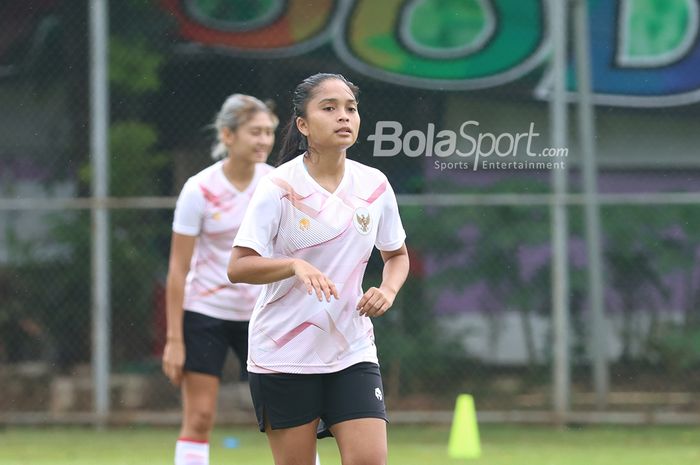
(362, 221)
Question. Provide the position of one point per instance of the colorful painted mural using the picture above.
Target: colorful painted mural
(257, 27)
(645, 52)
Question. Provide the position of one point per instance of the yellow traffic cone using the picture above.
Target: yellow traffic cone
(464, 435)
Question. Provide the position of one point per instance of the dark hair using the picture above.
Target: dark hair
(294, 142)
(236, 111)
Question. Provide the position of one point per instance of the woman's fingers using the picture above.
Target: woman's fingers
(366, 299)
(315, 281)
(373, 303)
(173, 361)
(320, 284)
(177, 376)
(334, 290)
(325, 285)
(324, 288)
(309, 285)
(173, 372)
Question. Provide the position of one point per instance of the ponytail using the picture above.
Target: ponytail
(293, 142)
(219, 150)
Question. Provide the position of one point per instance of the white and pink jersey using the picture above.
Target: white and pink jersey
(212, 209)
(291, 331)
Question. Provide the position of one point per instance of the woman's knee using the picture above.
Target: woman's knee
(200, 421)
(374, 457)
(372, 453)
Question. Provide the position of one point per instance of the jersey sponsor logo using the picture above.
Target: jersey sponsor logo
(362, 221)
(304, 224)
(378, 394)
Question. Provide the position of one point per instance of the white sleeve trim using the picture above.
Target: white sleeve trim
(260, 249)
(185, 230)
(392, 246)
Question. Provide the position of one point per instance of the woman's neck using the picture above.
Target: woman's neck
(239, 172)
(326, 168)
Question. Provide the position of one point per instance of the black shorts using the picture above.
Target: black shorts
(207, 341)
(289, 400)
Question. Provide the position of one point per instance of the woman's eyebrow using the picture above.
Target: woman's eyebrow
(335, 100)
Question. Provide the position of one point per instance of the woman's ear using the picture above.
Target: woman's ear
(227, 137)
(302, 126)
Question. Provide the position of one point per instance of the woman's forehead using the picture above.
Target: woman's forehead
(261, 118)
(333, 89)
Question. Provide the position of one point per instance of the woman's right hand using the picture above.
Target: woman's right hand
(173, 361)
(314, 280)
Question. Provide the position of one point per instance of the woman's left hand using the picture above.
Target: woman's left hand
(375, 302)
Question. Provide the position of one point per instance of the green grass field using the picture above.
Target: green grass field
(414, 445)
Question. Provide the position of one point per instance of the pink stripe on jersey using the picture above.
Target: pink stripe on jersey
(331, 329)
(224, 202)
(207, 292)
(210, 196)
(378, 191)
(294, 198)
(284, 340)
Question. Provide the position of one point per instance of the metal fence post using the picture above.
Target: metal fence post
(99, 141)
(560, 267)
(586, 123)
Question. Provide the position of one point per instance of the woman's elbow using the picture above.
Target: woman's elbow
(240, 267)
(233, 273)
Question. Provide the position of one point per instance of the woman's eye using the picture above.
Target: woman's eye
(352, 109)
(329, 108)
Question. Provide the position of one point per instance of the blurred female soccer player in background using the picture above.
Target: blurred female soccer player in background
(312, 355)
(207, 314)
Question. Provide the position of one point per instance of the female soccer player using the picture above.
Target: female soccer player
(206, 314)
(311, 351)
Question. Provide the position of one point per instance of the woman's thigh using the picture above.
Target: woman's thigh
(362, 441)
(293, 446)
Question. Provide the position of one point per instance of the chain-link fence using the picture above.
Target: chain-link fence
(476, 313)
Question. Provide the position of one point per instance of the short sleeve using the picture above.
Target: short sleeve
(189, 210)
(390, 232)
(261, 220)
